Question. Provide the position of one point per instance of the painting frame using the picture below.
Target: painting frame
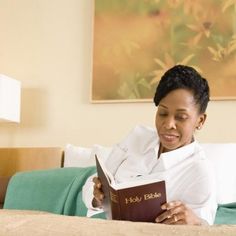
(197, 35)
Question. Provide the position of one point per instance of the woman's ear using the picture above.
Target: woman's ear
(201, 120)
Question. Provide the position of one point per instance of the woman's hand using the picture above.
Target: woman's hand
(97, 193)
(178, 213)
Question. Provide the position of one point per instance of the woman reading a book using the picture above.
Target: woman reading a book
(169, 152)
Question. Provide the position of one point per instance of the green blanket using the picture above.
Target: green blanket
(226, 214)
(59, 191)
(56, 190)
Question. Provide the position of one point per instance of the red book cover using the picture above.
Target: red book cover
(133, 201)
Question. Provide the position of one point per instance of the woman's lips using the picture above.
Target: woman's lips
(169, 137)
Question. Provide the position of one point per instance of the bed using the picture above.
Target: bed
(36, 223)
(32, 208)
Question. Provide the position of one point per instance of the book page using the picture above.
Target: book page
(108, 174)
(134, 183)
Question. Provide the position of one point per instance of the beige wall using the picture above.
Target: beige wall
(47, 45)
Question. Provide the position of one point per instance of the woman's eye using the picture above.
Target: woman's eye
(162, 114)
(181, 117)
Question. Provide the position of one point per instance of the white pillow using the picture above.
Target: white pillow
(100, 151)
(223, 159)
(76, 156)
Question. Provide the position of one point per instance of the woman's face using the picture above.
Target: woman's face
(177, 118)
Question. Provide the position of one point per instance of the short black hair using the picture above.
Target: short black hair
(184, 77)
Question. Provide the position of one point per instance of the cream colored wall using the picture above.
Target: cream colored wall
(47, 45)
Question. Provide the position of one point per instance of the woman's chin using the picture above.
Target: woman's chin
(167, 147)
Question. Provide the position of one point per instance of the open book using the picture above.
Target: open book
(133, 201)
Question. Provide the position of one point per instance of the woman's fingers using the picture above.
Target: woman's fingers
(178, 213)
(171, 213)
(174, 219)
(97, 182)
(170, 205)
(98, 194)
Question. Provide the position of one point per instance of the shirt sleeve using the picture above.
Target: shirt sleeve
(200, 196)
(137, 142)
(87, 197)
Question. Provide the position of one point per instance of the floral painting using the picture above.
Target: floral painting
(135, 41)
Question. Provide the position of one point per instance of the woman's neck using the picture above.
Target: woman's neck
(160, 150)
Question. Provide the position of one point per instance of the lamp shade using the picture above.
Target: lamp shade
(10, 94)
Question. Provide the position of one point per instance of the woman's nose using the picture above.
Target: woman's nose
(169, 123)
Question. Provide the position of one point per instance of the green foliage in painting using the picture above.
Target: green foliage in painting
(136, 41)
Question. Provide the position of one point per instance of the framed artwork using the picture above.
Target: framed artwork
(136, 41)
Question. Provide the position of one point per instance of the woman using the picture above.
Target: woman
(170, 152)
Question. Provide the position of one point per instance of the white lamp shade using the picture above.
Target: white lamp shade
(10, 94)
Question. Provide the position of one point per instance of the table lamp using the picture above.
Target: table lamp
(10, 96)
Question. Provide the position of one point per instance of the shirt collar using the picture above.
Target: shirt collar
(172, 158)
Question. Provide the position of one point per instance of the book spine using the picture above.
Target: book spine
(115, 206)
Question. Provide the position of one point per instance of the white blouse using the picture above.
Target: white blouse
(186, 171)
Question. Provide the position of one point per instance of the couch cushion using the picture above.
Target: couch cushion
(223, 159)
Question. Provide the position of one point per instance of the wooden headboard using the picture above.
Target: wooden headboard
(13, 160)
